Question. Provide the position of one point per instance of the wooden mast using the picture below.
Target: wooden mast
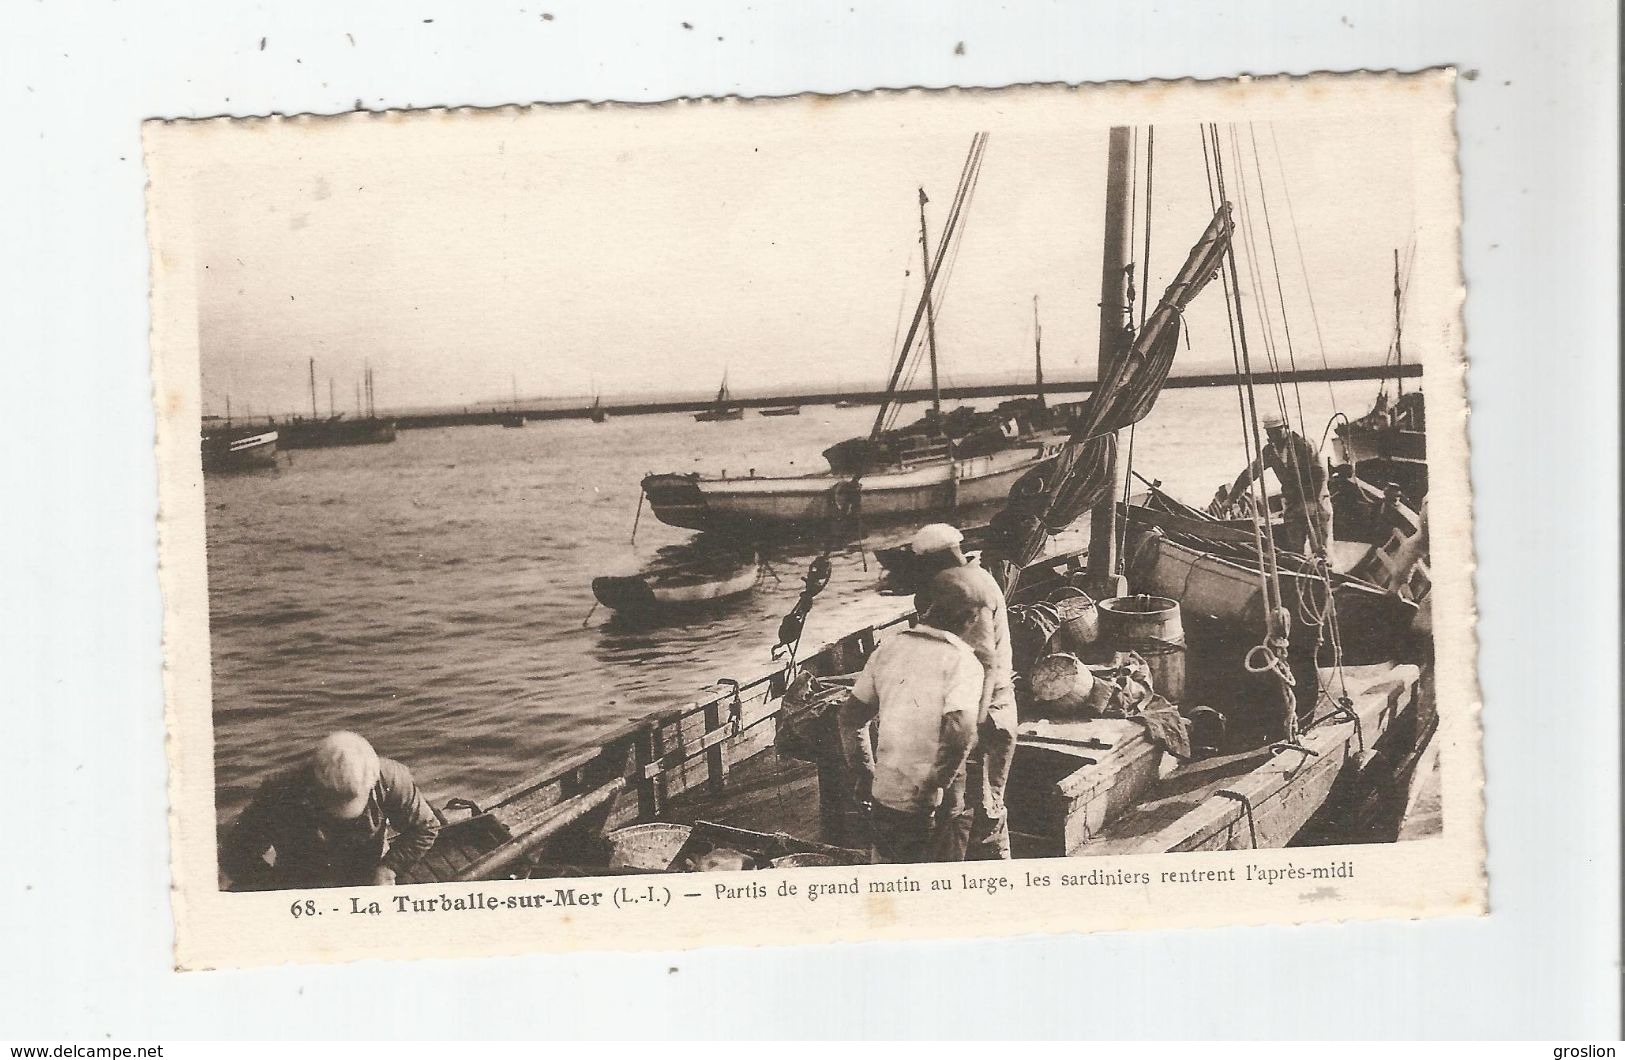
(313, 413)
(1114, 257)
(930, 314)
(1038, 353)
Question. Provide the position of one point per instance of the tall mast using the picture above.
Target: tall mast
(1038, 353)
(359, 411)
(313, 413)
(930, 312)
(1103, 522)
(331, 410)
(228, 410)
(1399, 352)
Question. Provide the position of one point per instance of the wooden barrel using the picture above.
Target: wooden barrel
(1063, 686)
(1151, 626)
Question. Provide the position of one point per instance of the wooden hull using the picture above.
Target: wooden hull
(1227, 597)
(719, 415)
(791, 410)
(253, 453)
(815, 502)
(334, 433)
(1357, 442)
(1263, 798)
(658, 592)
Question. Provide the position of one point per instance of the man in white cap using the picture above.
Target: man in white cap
(924, 685)
(1306, 524)
(945, 571)
(328, 820)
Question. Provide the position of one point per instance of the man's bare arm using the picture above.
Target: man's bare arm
(852, 720)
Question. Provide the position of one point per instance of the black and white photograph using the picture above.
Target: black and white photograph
(693, 499)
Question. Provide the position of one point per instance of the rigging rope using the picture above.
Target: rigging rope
(1276, 645)
(1303, 266)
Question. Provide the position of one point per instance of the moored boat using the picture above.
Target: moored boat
(782, 410)
(336, 431)
(683, 578)
(1389, 443)
(225, 450)
(768, 505)
(722, 407)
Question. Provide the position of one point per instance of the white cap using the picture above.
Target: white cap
(937, 537)
(1273, 420)
(345, 767)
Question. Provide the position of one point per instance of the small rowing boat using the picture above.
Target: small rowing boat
(683, 578)
(783, 410)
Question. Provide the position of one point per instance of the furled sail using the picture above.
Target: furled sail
(1047, 501)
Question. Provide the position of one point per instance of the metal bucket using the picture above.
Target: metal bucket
(1151, 626)
(652, 846)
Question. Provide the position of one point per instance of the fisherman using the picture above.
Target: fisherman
(945, 571)
(1306, 524)
(924, 686)
(327, 820)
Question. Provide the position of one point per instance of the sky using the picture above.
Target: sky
(633, 250)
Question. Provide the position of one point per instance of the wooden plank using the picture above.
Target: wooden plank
(1272, 799)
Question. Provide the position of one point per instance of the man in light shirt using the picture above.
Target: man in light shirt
(944, 569)
(925, 687)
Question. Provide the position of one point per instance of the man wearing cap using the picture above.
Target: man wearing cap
(1306, 524)
(924, 685)
(327, 820)
(946, 573)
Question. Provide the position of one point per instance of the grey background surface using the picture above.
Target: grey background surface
(84, 908)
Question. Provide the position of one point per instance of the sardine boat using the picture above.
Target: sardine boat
(1300, 696)
(766, 505)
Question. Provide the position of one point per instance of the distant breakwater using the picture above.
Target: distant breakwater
(491, 416)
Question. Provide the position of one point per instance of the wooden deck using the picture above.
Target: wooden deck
(767, 793)
(1263, 798)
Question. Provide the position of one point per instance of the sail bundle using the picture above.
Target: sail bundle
(1048, 500)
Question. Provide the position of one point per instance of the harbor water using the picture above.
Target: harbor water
(434, 594)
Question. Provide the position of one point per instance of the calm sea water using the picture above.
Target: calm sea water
(434, 594)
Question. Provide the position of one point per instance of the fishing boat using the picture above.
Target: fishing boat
(722, 407)
(782, 410)
(751, 776)
(683, 578)
(319, 432)
(950, 463)
(336, 431)
(228, 450)
(1389, 443)
(596, 411)
(757, 506)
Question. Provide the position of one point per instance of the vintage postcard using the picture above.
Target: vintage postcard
(903, 514)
